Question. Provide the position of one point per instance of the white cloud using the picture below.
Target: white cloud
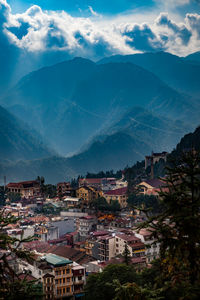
(39, 31)
(94, 13)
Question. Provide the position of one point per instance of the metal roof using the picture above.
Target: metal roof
(56, 260)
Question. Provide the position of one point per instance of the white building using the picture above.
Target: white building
(152, 250)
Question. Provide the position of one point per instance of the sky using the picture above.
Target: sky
(41, 32)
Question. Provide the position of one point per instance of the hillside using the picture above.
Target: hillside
(17, 141)
(126, 142)
(179, 73)
(195, 57)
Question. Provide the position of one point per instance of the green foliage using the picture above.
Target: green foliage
(3, 196)
(100, 204)
(14, 197)
(114, 206)
(100, 286)
(145, 201)
(106, 174)
(130, 291)
(177, 229)
(126, 255)
(49, 209)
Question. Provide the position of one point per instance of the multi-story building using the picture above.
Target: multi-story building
(88, 194)
(61, 277)
(25, 188)
(135, 246)
(62, 272)
(151, 186)
(71, 202)
(65, 189)
(78, 279)
(85, 225)
(152, 249)
(106, 247)
(119, 195)
(49, 233)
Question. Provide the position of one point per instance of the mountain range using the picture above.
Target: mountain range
(18, 141)
(79, 116)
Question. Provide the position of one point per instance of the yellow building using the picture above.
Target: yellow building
(61, 283)
(119, 195)
(88, 193)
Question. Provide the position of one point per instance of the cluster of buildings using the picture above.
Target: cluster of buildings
(62, 262)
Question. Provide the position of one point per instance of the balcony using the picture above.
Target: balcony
(63, 295)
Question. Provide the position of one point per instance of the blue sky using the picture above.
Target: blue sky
(76, 7)
(108, 7)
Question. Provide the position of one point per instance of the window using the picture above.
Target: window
(56, 281)
(58, 291)
(68, 279)
(63, 271)
(68, 290)
(63, 280)
(64, 290)
(79, 277)
(68, 271)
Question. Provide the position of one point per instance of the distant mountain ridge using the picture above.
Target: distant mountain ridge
(115, 111)
(70, 102)
(179, 73)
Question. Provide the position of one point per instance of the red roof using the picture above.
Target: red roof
(22, 184)
(156, 183)
(99, 233)
(128, 237)
(90, 180)
(118, 192)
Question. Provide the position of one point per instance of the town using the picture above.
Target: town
(80, 229)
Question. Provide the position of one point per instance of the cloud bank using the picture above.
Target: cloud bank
(48, 36)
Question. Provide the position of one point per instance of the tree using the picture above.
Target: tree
(3, 195)
(177, 228)
(11, 286)
(14, 197)
(100, 286)
(100, 204)
(126, 255)
(114, 206)
(150, 202)
(131, 290)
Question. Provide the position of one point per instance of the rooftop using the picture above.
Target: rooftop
(56, 260)
(156, 183)
(119, 192)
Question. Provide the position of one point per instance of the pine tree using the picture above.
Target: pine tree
(177, 228)
(126, 255)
